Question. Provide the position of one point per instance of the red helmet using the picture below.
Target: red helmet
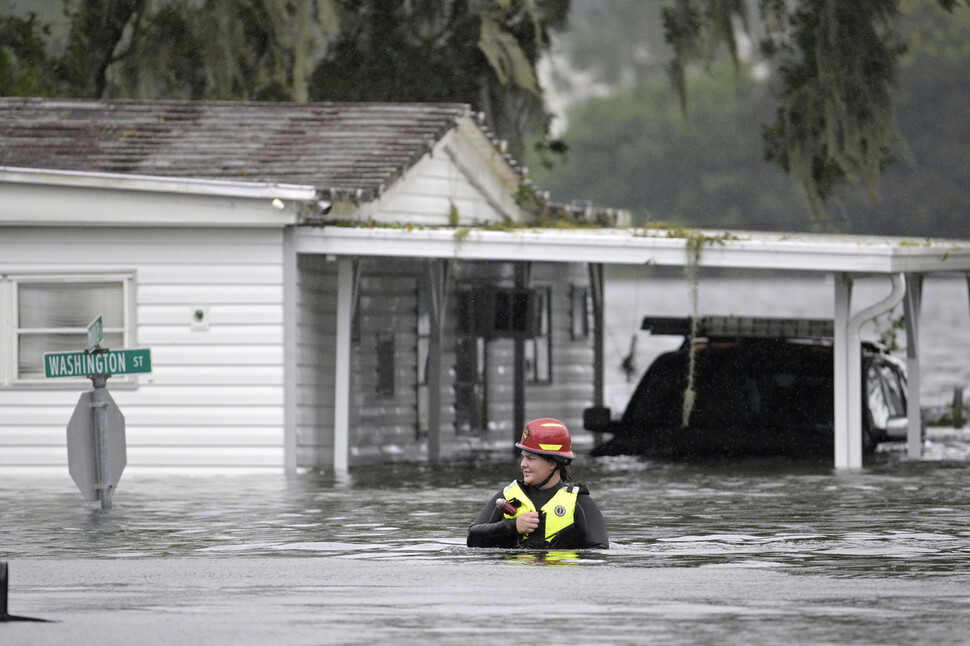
(547, 436)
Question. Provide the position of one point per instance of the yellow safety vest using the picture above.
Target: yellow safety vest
(559, 512)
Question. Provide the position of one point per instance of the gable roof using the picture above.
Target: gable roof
(343, 149)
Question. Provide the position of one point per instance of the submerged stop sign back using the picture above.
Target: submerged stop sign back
(82, 447)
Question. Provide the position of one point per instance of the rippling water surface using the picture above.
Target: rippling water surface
(740, 552)
(747, 552)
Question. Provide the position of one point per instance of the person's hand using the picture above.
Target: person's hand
(527, 522)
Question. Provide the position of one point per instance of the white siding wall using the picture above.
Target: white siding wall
(456, 173)
(215, 395)
(316, 331)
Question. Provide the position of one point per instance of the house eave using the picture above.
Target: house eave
(34, 197)
(150, 183)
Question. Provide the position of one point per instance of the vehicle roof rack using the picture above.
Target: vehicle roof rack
(741, 326)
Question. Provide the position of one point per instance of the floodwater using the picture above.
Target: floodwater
(740, 552)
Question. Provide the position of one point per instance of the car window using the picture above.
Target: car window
(777, 386)
(876, 396)
(895, 392)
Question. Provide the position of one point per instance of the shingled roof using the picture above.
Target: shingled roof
(354, 149)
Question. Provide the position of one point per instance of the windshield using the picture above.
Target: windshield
(767, 385)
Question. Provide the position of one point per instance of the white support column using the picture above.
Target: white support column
(290, 350)
(840, 351)
(437, 281)
(912, 308)
(341, 400)
(596, 290)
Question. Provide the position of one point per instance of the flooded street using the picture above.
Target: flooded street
(741, 552)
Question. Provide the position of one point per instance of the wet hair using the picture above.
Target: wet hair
(564, 473)
(562, 465)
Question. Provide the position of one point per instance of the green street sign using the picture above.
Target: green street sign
(95, 333)
(82, 364)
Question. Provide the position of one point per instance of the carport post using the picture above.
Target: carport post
(523, 277)
(596, 290)
(341, 395)
(912, 307)
(843, 302)
(437, 280)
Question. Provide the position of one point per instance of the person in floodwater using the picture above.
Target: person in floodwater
(543, 510)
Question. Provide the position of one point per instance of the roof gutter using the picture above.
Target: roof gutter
(184, 186)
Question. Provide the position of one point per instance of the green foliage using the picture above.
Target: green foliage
(23, 62)
(888, 326)
(95, 41)
(633, 150)
(926, 193)
(837, 66)
(481, 52)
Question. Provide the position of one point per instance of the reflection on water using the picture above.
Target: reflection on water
(900, 514)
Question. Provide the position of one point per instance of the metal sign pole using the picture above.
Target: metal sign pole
(99, 412)
(99, 417)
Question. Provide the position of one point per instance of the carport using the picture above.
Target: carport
(903, 262)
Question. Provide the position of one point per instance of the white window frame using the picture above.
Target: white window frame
(9, 324)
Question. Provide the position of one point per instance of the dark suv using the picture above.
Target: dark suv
(762, 387)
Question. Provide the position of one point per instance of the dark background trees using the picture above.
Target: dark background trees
(709, 168)
(481, 52)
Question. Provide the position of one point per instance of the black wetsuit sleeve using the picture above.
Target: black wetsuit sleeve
(491, 528)
(590, 523)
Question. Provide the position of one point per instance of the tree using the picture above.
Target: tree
(634, 150)
(482, 52)
(925, 193)
(631, 147)
(836, 64)
(23, 63)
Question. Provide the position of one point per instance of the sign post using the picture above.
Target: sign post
(96, 452)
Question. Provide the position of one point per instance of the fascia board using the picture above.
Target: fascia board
(180, 185)
(819, 253)
(22, 205)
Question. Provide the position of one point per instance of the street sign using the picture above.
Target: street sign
(82, 364)
(83, 454)
(95, 333)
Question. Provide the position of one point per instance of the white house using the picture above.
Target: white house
(181, 224)
(323, 285)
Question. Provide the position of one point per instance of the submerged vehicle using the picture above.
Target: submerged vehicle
(761, 386)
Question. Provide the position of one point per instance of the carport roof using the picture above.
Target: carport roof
(631, 246)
